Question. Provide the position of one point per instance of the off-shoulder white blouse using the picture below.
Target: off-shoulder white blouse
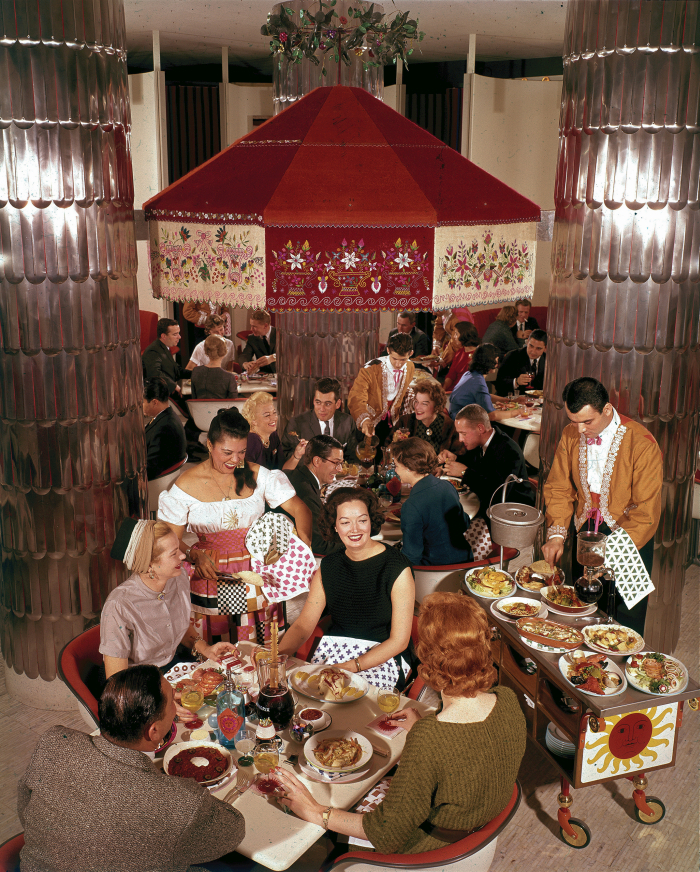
(177, 507)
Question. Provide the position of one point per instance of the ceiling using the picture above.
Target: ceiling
(193, 31)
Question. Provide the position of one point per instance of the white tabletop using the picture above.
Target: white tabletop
(391, 530)
(532, 424)
(263, 384)
(275, 839)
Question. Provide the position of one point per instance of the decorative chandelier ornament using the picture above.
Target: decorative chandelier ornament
(338, 44)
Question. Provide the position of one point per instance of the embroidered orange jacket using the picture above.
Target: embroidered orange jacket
(632, 481)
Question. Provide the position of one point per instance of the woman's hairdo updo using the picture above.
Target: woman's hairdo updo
(454, 645)
(327, 518)
(416, 455)
(230, 424)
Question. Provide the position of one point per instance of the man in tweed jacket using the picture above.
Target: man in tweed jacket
(98, 804)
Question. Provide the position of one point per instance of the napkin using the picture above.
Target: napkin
(387, 732)
(631, 577)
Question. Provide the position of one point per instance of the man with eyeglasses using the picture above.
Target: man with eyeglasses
(322, 460)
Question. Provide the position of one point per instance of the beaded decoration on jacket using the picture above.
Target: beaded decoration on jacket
(606, 478)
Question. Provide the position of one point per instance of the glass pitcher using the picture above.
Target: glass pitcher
(275, 700)
(590, 553)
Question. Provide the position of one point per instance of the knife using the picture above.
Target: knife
(380, 752)
(236, 792)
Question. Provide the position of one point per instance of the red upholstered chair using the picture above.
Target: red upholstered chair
(471, 854)
(243, 336)
(78, 667)
(449, 577)
(148, 321)
(9, 853)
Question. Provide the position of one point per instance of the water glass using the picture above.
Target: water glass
(266, 757)
(388, 699)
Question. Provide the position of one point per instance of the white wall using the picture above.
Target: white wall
(246, 102)
(515, 138)
(146, 169)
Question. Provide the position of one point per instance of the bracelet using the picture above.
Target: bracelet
(188, 558)
(357, 664)
(327, 816)
(198, 654)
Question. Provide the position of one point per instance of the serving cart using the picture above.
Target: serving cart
(621, 736)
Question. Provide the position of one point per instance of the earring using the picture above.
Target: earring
(151, 573)
(241, 464)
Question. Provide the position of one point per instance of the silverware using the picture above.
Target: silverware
(236, 792)
(380, 752)
(293, 759)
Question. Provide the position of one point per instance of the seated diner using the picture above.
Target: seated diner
(458, 765)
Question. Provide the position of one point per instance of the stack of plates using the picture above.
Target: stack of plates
(557, 742)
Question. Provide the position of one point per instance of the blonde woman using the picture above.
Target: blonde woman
(147, 617)
(209, 380)
(264, 445)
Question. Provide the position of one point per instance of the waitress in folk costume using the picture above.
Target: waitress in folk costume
(382, 392)
(220, 500)
(607, 462)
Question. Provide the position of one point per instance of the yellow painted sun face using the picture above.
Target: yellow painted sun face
(629, 741)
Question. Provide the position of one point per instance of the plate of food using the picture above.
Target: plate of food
(526, 578)
(329, 683)
(534, 393)
(593, 674)
(207, 677)
(455, 482)
(656, 674)
(612, 639)
(489, 583)
(338, 751)
(549, 633)
(516, 607)
(506, 406)
(563, 599)
(205, 762)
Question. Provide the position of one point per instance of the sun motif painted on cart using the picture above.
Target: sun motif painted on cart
(628, 740)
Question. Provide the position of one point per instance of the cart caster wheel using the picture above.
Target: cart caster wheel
(582, 832)
(657, 807)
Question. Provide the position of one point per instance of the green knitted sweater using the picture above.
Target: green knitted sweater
(457, 776)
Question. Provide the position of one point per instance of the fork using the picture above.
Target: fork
(293, 759)
(236, 792)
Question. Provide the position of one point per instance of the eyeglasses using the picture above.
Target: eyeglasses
(337, 463)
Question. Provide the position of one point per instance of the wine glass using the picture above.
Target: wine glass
(385, 501)
(266, 757)
(192, 699)
(244, 743)
(388, 699)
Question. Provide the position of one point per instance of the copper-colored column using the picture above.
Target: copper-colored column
(72, 452)
(625, 297)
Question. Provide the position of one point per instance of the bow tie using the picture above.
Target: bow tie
(594, 440)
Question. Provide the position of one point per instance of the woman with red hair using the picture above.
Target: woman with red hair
(458, 766)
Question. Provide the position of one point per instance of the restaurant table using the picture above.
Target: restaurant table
(618, 736)
(266, 383)
(532, 424)
(275, 839)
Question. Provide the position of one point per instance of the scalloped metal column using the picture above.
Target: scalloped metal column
(625, 293)
(313, 345)
(72, 449)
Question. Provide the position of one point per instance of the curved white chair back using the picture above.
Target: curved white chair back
(447, 580)
(696, 501)
(181, 418)
(204, 411)
(478, 862)
(158, 485)
(531, 450)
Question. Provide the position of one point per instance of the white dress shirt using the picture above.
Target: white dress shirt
(598, 454)
(395, 376)
(322, 425)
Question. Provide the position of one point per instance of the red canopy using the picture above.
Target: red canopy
(340, 159)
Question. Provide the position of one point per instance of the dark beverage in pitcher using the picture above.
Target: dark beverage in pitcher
(277, 705)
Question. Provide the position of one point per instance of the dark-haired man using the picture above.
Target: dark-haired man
(259, 353)
(97, 803)
(166, 442)
(322, 459)
(158, 361)
(523, 370)
(489, 458)
(609, 462)
(325, 419)
(406, 323)
(524, 324)
(382, 391)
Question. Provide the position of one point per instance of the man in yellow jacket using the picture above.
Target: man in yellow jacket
(608, 462)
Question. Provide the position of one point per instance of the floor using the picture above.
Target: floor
(619, 844)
